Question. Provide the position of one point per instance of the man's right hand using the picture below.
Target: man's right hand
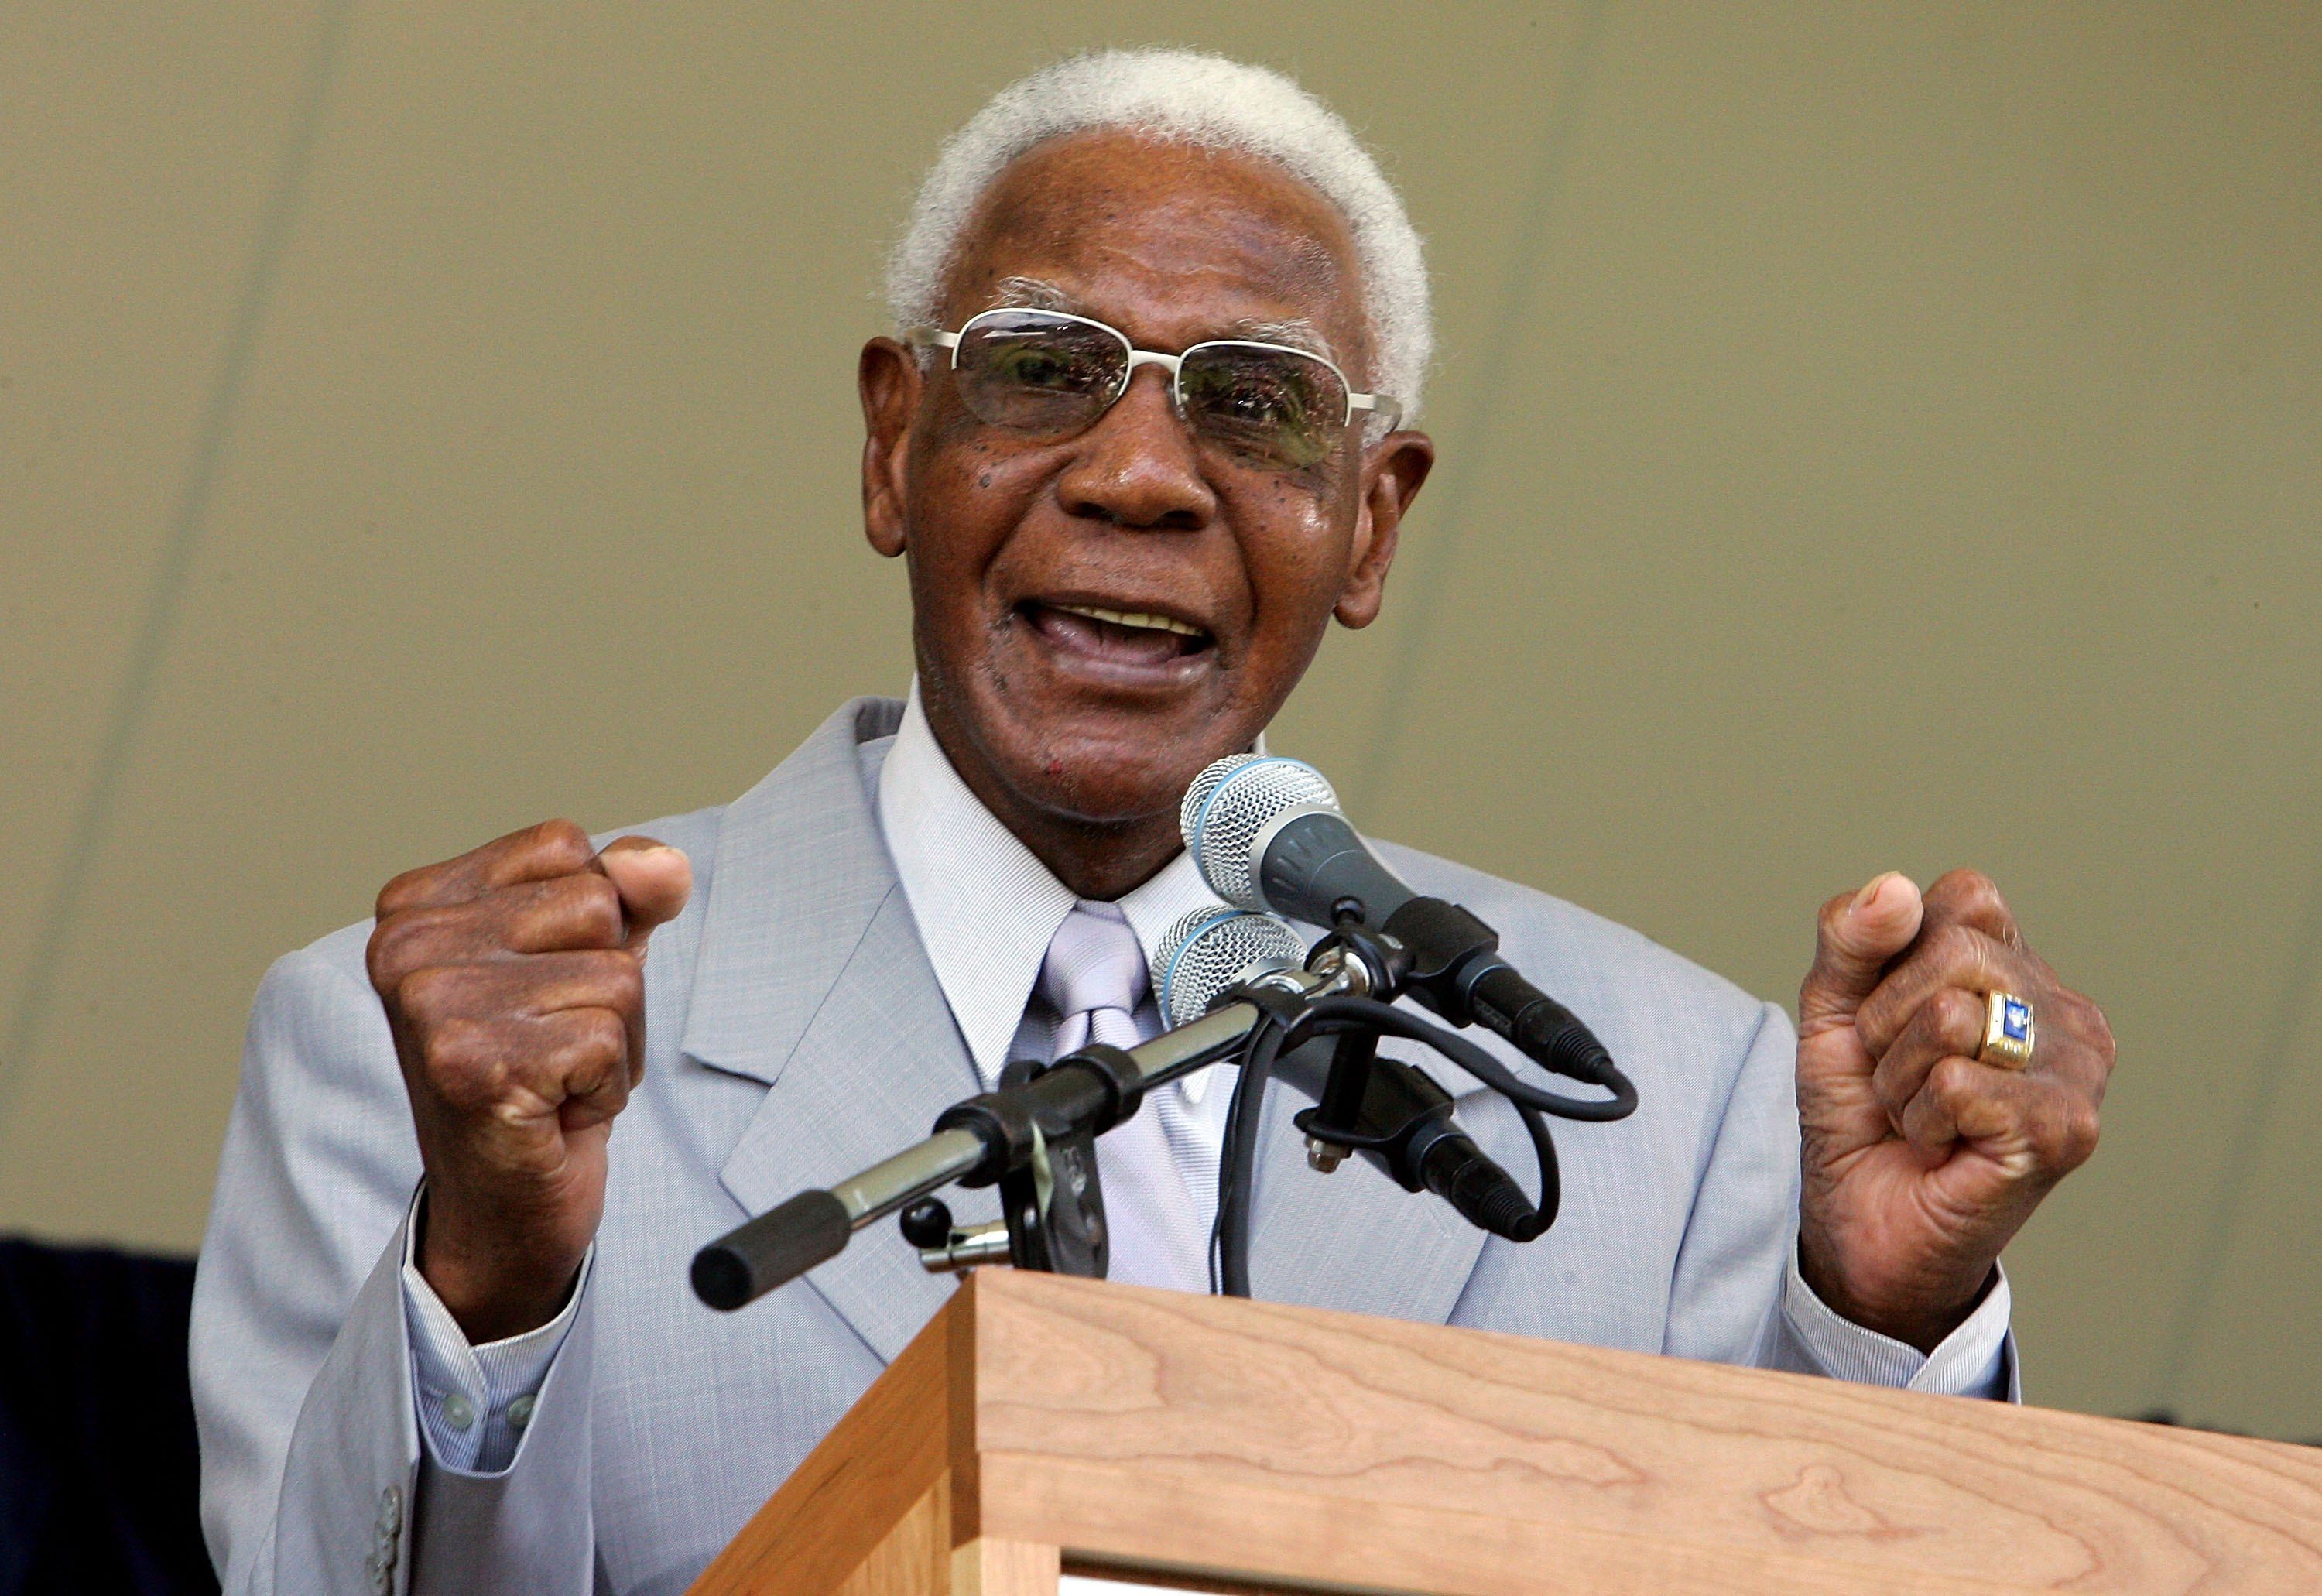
(514, 981)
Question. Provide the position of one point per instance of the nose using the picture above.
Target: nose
(1137, 466)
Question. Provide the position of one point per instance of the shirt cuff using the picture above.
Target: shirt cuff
(474, 1402)
(1975, 1360)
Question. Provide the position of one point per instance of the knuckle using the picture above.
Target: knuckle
(1924, 1120)
(1956, 1015)
(603, 1035)
(2065, 1131)
(382, 956)
(597, 902)
(396, 944)
(1880, 1022)
(2083, 1129)
(462, 1064)
(1973, 886)
(430, 991)
(1953, 1078)
(593, 1060)
(1826, 918)
(595, 977)
(624, 980)
(2080, 1033)
(1965, 890)
(560, 841)
(1955, 947)
(406, 890)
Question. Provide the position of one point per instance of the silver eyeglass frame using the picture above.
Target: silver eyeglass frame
(1380, 406)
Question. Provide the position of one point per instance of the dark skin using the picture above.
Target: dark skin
(1920, 1164)
(512, 976)
(1082, 760)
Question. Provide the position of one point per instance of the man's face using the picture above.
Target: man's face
(1012, 540)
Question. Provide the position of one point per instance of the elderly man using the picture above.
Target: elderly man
(1139, 445)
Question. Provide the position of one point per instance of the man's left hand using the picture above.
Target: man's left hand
(1921, 1163)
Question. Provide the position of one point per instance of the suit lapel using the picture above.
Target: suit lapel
(879, 1061)
(810, 978)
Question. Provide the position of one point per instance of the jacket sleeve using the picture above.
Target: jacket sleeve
(1737, 1296)
(314, 1476)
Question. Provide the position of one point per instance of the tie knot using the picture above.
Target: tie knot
(1094, 963)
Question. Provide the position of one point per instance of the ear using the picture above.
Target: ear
(1394, 470)
(888, 379)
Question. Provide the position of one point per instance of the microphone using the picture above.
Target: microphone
(1268, 834)
(974, 1141)
(1205, 955)
(1404, 1122)
(1206, 951)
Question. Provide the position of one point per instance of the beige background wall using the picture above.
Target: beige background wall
(1872, 435)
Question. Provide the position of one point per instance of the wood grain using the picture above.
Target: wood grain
(991, 1567)
(914, 1557)
(1238, 1445)
(1154, 1429)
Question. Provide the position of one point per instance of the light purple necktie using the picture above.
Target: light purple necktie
(1160, 1181)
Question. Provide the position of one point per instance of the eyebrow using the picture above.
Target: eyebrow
(1032, 293)
(1294, 334)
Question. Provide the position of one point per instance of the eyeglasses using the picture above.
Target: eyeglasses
(1049, 373)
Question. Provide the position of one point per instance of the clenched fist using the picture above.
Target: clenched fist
(1922, 1161)
(514, 981)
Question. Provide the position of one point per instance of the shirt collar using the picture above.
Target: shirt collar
(985, 906)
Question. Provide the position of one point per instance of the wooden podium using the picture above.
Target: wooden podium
(1216, 1444)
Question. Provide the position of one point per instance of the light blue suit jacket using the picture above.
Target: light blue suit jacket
(796, 1034)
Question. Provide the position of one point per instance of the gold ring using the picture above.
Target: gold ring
(2007, 1031)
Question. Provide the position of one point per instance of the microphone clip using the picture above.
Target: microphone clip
(1429, 948)
(1039, 1132)
(1374, 1107)
(1363, 962)
(1459, 946)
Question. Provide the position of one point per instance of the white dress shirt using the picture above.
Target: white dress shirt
(986, 909)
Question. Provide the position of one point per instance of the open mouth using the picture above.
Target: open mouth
(1136, 640)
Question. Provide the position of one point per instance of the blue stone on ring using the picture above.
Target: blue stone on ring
(2016, 1019)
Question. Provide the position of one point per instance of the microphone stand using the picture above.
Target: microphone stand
(1035, 1137)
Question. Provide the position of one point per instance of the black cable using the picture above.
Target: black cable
(1237, 1169)
(1326, 1017)
(1543, 1150)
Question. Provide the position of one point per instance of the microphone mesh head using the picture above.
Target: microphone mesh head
(1209, 950)
(1231, 802)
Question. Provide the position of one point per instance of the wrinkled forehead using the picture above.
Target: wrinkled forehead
(1172, 243)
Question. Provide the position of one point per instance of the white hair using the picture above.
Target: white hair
(1182, 97)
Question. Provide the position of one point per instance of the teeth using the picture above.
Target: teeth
(1133, 618)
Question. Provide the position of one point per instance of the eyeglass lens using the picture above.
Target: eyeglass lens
(1050, 376)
